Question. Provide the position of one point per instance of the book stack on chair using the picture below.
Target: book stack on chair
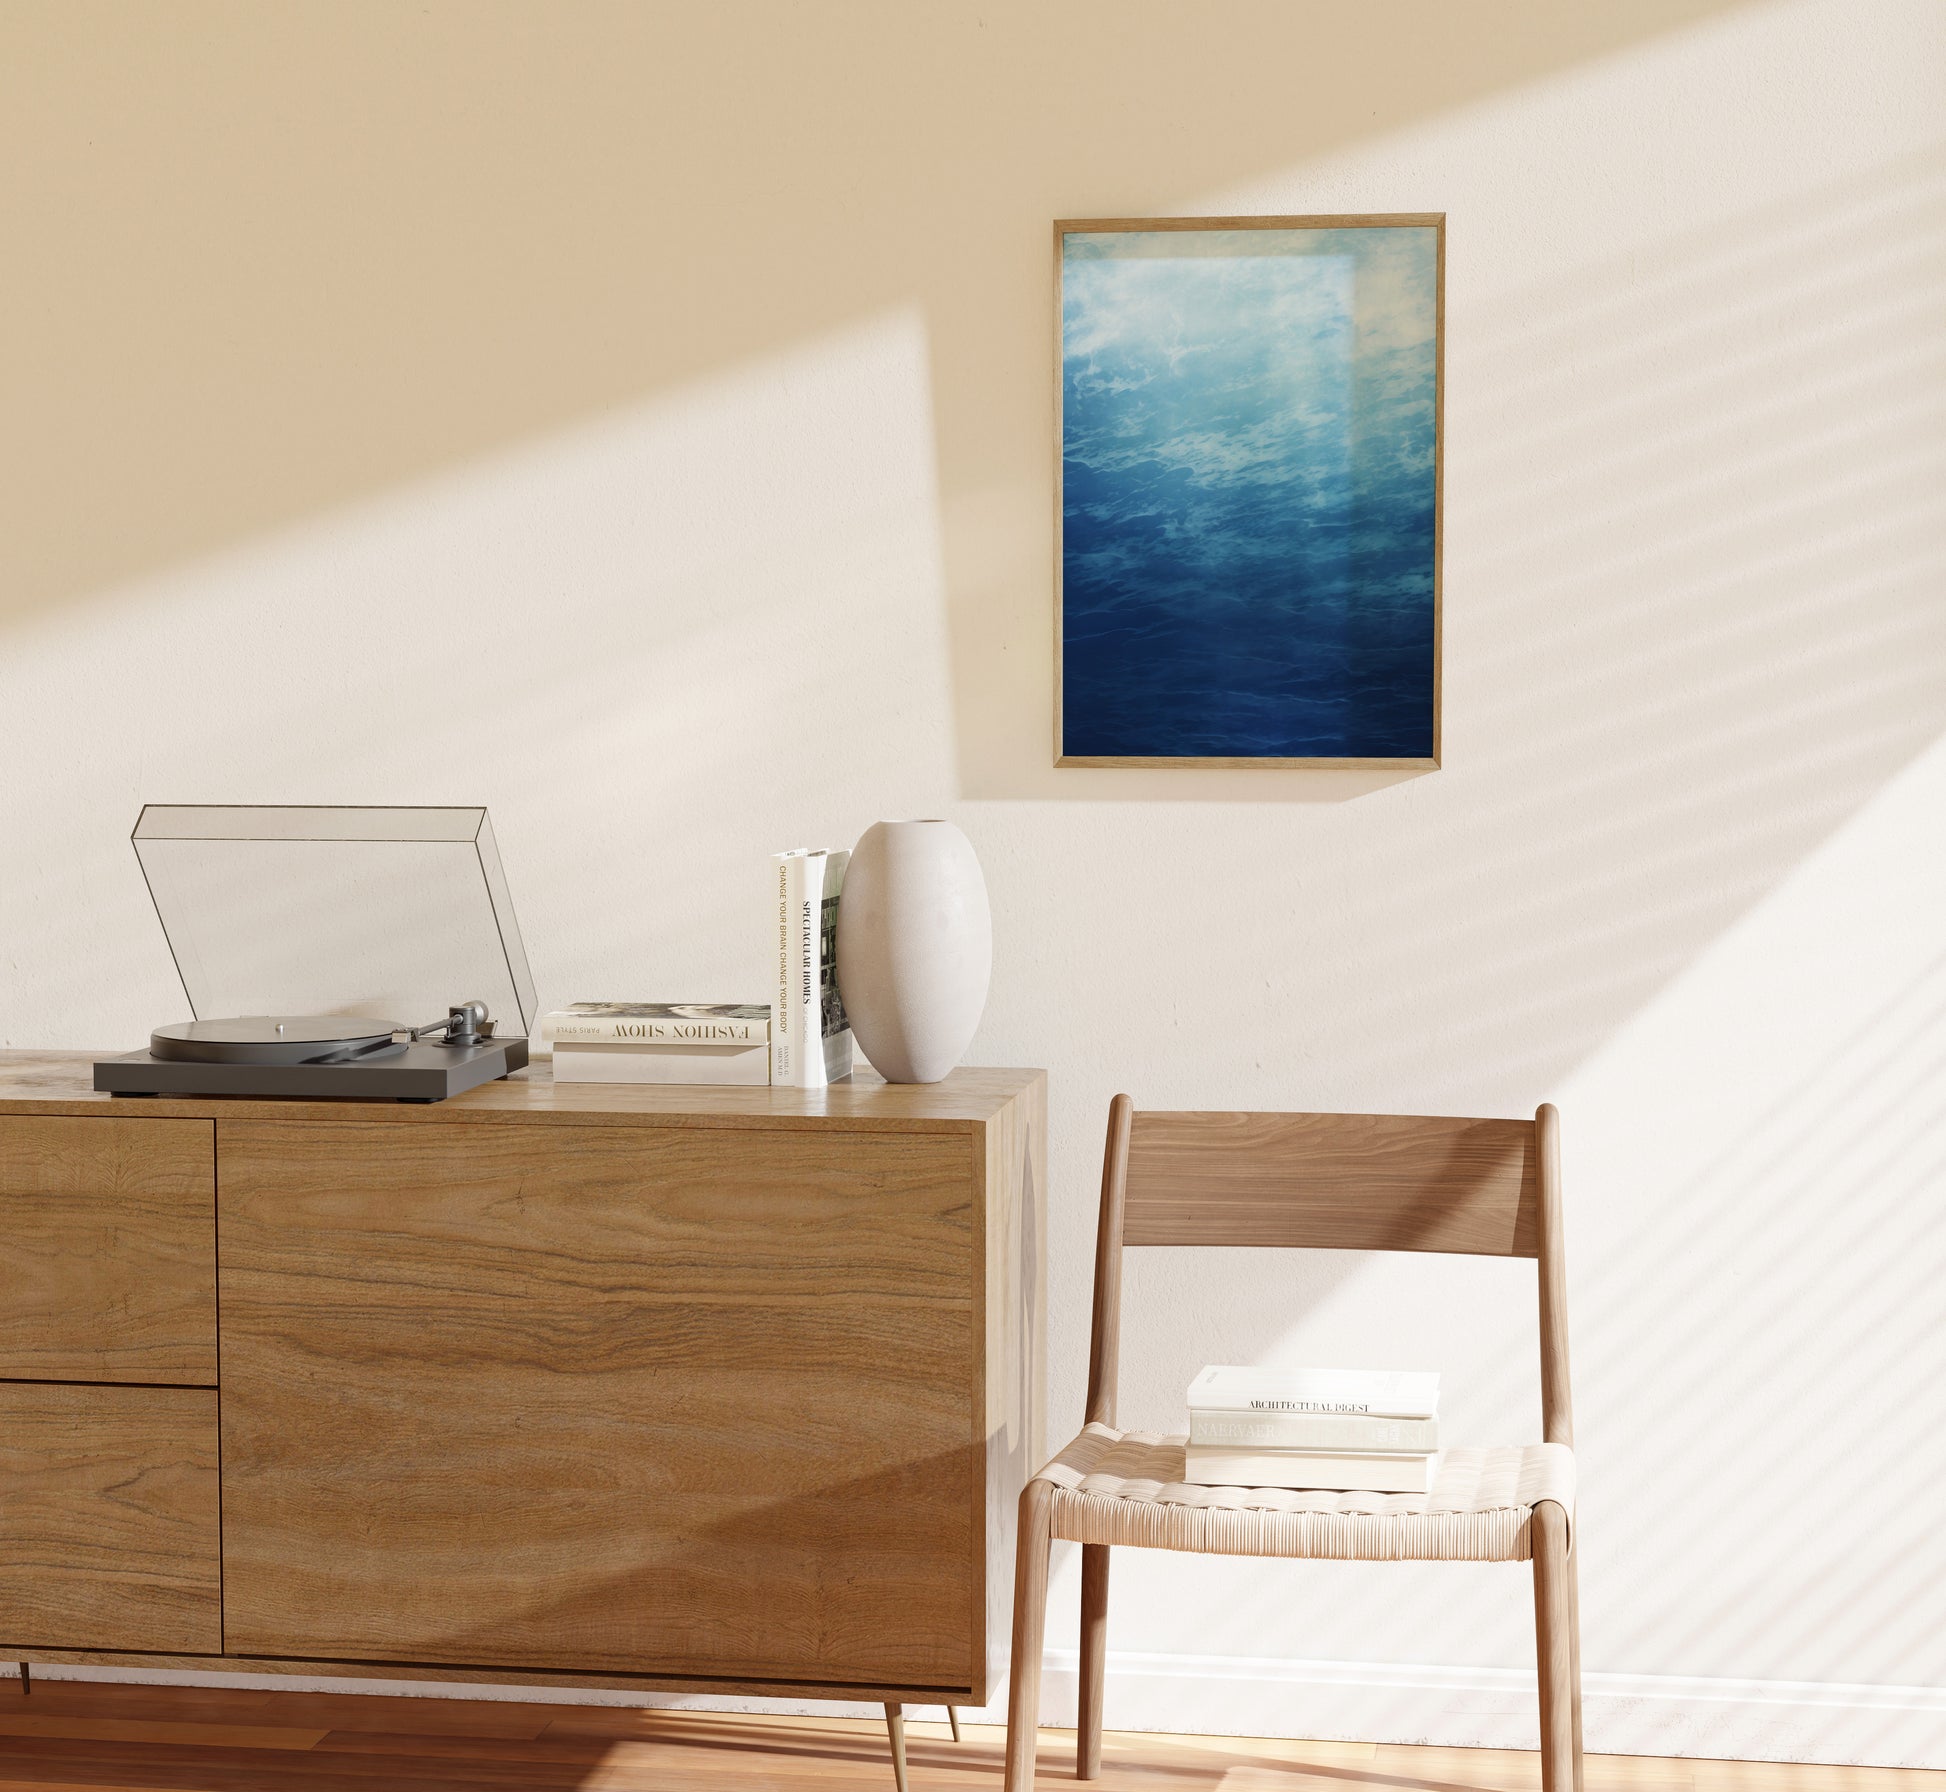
(1339, 1430)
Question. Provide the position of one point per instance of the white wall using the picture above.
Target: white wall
(675, 385)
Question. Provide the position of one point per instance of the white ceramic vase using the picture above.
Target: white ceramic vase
(915, 947)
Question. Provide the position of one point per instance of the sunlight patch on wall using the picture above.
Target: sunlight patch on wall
(1757, 1251)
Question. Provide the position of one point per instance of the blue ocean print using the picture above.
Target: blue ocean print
(1248, 493)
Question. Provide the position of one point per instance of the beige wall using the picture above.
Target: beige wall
(674, 382)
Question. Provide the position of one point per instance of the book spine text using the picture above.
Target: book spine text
(786, 1017)
(797, 1034)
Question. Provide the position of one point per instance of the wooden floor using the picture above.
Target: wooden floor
(81, 1737)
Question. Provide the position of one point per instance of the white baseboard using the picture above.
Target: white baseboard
(1470, 1707)
(1354, 1701)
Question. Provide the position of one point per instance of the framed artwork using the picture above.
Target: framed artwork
(1247, 514)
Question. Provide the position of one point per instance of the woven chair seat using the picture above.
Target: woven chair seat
(1127, 1487)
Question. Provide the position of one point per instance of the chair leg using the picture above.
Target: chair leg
(1030, 1629)
(1574, 1651)
(1094, 1657)
(952, 1717)
(895, 1724)
(1555, 1648)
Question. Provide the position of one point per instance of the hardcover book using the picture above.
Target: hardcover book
(605, 1061)
(1378, 1393)
(1357, 1432)
(810, 1042)
(661, 1023)
(1208, 1466)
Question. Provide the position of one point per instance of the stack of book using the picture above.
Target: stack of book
(801, 1041)
(1341, 1430)
(659, 1042)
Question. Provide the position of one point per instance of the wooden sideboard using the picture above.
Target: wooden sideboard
(580, 1385)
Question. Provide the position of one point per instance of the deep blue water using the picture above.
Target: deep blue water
(1248, 485)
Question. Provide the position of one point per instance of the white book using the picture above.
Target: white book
(1357, 1432)
(660, 1023)
(1381, 1393)
(1331, 1472)
(605, 1062)
(810, 1039)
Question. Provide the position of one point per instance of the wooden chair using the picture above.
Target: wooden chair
(1357, 1182)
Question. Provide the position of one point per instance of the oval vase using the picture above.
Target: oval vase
(915, 947)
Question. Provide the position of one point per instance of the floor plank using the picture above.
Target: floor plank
(180, 1704)
(85, 1736)
(81, 1727)
(430, 1717)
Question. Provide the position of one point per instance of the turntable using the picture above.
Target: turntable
(311, 941)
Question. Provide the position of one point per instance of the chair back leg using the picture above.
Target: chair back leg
(1556, 1650)
(895, 1726)
(1094, 1659)
(1030, 1630)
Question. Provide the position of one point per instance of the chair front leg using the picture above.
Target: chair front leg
(1094, 1659)
(1574, 1648)
(1030, 1629)
(1555, 1649)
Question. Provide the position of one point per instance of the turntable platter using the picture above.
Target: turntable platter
(273, 1039)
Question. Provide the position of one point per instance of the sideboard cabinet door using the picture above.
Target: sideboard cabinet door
(108, 1518)
(686, 1400)
(107, 1250)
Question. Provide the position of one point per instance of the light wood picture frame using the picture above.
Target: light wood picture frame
(1249, 432)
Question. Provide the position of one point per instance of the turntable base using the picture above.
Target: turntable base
(412, 1073)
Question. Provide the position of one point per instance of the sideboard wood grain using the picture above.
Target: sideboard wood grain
(107, 1250)
(583, 1403)
(108, 1518)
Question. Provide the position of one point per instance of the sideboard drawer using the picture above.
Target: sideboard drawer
(107, 1250)
(108, 1519)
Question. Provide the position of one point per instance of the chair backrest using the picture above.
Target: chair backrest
(1353, 1182)
(1358, 1182)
